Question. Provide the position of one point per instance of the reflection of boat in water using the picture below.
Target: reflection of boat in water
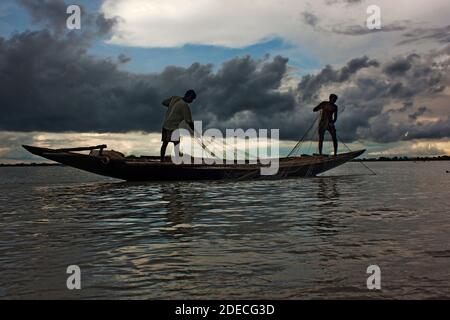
(148, 168)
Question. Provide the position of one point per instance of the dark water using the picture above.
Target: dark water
(295, 239)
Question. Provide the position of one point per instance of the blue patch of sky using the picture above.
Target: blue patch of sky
(146, 60)
(14, 18)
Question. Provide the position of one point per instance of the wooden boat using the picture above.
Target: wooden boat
(149, 168)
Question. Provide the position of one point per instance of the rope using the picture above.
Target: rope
(215, 143)
(235, 149)
(299, 143)
(246, 154)
(200, 142)
(367, 167)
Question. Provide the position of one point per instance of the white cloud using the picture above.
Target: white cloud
(230, 23)
(421, 148)
(138, 143)
(239, 23)
(130, 143)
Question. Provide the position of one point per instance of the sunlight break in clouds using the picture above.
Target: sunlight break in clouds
(415, 148)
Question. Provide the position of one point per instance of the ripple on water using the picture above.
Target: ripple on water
(296, 238)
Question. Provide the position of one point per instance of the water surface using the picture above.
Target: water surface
(286, 239)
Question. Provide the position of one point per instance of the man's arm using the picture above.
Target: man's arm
(188, 117)
(335, 114)
(191, 125)
(319, 107)
(166, 102)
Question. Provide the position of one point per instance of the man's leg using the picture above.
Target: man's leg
(321, 136)
(175, 144)
(335, 142)
(163, 150)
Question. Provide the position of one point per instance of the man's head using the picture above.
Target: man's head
(333, 98)
(190, 96)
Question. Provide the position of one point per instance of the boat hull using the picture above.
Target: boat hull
(149, 169)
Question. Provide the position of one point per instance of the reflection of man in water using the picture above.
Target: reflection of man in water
(327, 120)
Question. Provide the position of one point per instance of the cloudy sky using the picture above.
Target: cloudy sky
(254, 64)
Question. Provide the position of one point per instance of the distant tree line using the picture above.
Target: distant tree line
(438, 158)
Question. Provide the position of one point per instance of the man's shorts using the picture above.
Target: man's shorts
(166, 135)
(327, 126)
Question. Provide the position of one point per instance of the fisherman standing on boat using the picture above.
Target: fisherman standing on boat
(177, 111)
(327, 119)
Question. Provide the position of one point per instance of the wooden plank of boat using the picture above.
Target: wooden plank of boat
(149, 169)
(101, 147)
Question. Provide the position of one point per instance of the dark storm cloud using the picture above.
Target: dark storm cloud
(407, 105)
(48, 82)
(123, 58)
(52, 15)
(440, 34)
(418, 113)
(360, 30)
(434, 130)
(366, 92)
(311, 84)
(247, 84)
(381, 129)
(398, 67)
(310, 18)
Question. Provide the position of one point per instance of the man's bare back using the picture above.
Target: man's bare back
(328, 118)
(328, 110)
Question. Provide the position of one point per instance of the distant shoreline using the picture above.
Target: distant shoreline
(379, 159)
(32, 165)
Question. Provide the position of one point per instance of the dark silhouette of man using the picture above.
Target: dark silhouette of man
(327, 119)
(177, 111)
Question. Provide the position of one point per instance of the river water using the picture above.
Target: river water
(287, 239)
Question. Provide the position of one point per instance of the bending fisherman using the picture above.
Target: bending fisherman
(177, 111)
